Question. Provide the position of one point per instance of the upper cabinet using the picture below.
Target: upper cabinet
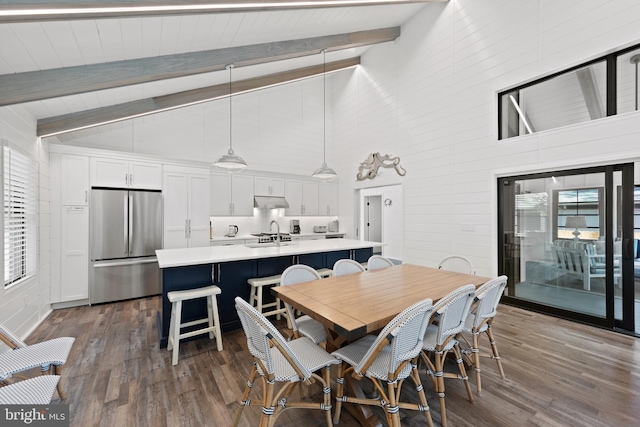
(119, 173)
(302, 197)
(74, 179)
(328, 198)
(231, 194)
(268, 186)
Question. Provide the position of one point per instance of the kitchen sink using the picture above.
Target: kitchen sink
(266, 245)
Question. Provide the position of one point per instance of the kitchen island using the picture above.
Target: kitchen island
(230, 267)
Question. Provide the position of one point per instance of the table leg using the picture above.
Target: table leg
(362, 413)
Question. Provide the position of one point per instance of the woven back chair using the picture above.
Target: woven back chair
(302, 325)
(479, 320)
(387, 358)
(376, 262)
(457, 264)
(448, 318)
(347, 266)
(279, 361)
(50, 355)
(33, 391)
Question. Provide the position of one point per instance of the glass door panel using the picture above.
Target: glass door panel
(562, 241)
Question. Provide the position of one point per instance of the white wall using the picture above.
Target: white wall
(431, 98)
(24, 305)
(278, 129)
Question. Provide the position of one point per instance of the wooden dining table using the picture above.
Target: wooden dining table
(354, 305)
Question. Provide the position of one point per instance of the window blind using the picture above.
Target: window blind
(20, 215)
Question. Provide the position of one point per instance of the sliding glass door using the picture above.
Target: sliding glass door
(566, 243)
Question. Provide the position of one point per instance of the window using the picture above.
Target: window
(20, 215)
(605, 86)
(583, 202)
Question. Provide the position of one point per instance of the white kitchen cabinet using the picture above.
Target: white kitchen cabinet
(186, 206)
(74, 179)
(269, 186)
(302, 197)
(74, 254)
(231, 194)
(120, 173)
(328, 198)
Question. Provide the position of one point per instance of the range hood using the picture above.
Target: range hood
(268, 202)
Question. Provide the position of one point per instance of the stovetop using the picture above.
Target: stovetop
(272, 237)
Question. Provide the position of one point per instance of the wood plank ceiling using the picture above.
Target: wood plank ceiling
(70, 70)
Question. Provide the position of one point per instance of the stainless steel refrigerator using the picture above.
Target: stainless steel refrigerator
(126, 230)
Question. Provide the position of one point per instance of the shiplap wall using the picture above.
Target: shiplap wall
(430, 98)
(24, 305)
(278, 129)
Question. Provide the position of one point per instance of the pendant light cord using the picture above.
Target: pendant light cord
(324, 106)
(230, 67)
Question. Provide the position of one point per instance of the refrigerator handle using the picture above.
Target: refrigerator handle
(125, 228)
(130, 248)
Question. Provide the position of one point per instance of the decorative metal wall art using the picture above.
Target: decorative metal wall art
(369, 168)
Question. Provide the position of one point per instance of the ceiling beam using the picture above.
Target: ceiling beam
(38, 85)
(65, 10)
(85, 119)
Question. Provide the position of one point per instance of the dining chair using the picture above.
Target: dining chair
(347, 266)
(50, 355)
(376, 262)
(447, 320)
(279, 361)
(303, 325)
(34, 391)
(387, 358)
(457, 264)
(479, 320)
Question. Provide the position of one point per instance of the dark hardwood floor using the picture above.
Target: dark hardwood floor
(559, 373)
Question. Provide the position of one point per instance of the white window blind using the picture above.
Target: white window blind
(20, 215)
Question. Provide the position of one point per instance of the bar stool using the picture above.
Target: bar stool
(175, 325)
(255, 298)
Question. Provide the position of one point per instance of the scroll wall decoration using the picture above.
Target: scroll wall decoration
(369, 168)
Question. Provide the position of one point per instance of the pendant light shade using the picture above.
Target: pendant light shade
(230, 162)
(324, 172)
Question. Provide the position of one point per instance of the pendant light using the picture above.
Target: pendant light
(230, 162)
(324, 172)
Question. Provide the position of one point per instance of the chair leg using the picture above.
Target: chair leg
(339, 393)
(213, 307)
(424, 405)
(259, 300)
(439, 357)
(475, 350)
(56, 371)
(267, 409)
(392, 406)
(172, 326)
(326, 389)
(245, 396)
(463, 371)
(494, 350)
(176, 332)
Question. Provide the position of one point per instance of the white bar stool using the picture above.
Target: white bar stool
(175, 325)
(255, 299)
(325, 272)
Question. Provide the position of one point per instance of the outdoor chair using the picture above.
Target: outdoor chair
(34, 391)
(479, 320)
(448, 317)
(457, 264)
(376, 262)
(303, 325)
(279, 361)
(347, 266)
(387, 358)
(49, 355)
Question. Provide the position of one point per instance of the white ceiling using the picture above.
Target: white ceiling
(37, 46)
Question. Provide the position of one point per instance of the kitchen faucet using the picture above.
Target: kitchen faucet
(277, 230)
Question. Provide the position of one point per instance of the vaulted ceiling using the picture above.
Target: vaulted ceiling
(74, 65)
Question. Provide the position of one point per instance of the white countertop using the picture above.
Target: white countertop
(250, 236)
(213, 254)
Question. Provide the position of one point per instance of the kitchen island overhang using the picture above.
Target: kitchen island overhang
(230, 267)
